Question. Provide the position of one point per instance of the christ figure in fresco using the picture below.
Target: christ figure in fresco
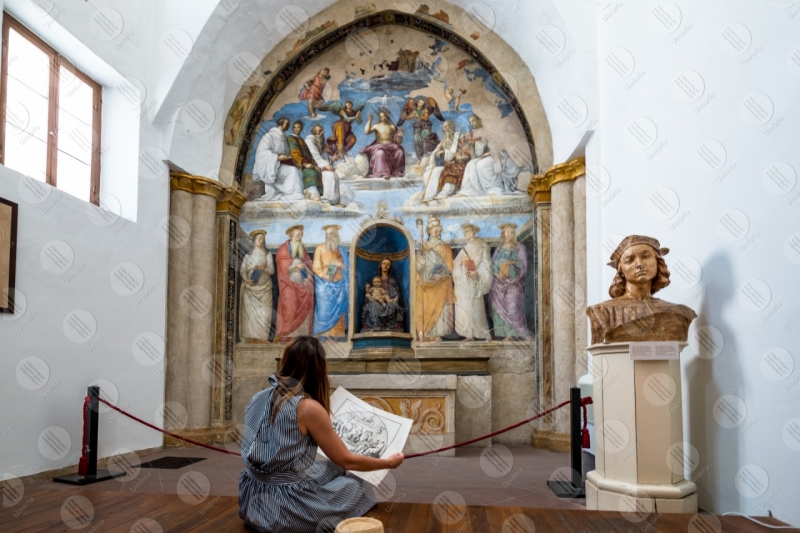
(507, 296)
(387, 158)
(295, 287)
(312, 90)
(331, 286)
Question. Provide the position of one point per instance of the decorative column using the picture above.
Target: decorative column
(195, 307)
(227, 223)
(560, 259)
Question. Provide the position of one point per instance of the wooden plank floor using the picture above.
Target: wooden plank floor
(95, 511)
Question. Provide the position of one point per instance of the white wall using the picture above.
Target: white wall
(568, 70)
(747, 290)
(88, 246)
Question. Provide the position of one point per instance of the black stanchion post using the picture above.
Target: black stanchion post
(575, 436)
(92, 429)
(572, 487)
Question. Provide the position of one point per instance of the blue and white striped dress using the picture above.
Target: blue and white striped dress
(282, 489)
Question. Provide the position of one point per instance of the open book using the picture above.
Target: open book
(367, 430)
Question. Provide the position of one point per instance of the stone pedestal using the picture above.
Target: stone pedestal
(639, 435)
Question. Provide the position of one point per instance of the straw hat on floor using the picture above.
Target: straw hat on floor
(360, 524)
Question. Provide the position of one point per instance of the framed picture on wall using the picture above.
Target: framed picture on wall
(8, 254)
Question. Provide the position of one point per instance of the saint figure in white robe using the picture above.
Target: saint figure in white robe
(330, 180)
(274, 166)
(472, 279)
(444, 152)
(255, 293)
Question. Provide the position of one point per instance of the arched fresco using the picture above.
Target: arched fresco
(391, 117)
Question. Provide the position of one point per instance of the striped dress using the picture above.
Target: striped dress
(282, 489)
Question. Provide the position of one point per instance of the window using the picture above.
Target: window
(50, 128)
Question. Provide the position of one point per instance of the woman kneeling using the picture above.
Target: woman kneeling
(282, 488)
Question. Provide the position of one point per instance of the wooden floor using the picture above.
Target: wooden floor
(67, 510)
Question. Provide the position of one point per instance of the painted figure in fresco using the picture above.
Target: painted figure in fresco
(239, 111)
(445, 153)
(331, 285)
(377, 315)
(274, 166)
(507, 297)
(303, 160)
(330, 180)
(420, 110)
(255, 293)
(343, 138)
(387, 158)
(480, 175)
(295, 287)
(312, 90)
(453, 99)
(472, 280)
(435, 296)
(376, 292)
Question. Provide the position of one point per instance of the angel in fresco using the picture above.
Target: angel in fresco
(343, 138)
(420, 110)
(312, 90)
(239, 112)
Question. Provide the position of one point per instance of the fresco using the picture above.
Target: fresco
(397, 122)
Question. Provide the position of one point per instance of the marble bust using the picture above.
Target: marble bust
(632, 314)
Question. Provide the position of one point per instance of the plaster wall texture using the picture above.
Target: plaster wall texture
(91, 284)
(699, 119)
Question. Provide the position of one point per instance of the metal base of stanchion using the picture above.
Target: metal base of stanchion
(562, 489)
(77, 479)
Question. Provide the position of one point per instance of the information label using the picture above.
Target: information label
(654, 350)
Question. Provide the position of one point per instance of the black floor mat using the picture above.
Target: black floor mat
(171, 463)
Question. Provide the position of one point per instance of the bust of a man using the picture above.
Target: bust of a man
(633, 314)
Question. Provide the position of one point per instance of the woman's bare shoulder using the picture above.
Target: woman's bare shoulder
(309, 406)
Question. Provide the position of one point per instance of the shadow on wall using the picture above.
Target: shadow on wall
(715, 428)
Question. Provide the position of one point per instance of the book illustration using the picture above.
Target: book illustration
(367, 430)
(362, 432)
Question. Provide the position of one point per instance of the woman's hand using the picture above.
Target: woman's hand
(395, 460)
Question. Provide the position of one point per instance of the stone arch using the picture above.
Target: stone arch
(520, 87)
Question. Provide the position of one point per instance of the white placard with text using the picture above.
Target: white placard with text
(654, 350)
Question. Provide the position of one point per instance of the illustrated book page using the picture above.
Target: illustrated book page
(367, 430)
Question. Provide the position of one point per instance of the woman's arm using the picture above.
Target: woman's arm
(312, 419)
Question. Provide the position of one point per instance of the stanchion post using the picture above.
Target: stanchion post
(92, 429)
(573, 487)
(575, 436)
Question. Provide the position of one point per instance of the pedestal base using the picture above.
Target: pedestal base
(604, 494)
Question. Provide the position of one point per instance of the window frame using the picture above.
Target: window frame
(57, 61)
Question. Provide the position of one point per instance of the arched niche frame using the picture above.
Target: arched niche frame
(279, 79)
(374, 240)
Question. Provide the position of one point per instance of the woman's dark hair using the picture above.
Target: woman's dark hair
(303, 372)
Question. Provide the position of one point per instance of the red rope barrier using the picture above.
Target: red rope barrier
(584, 401)
(164, 431)
(509, 428)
